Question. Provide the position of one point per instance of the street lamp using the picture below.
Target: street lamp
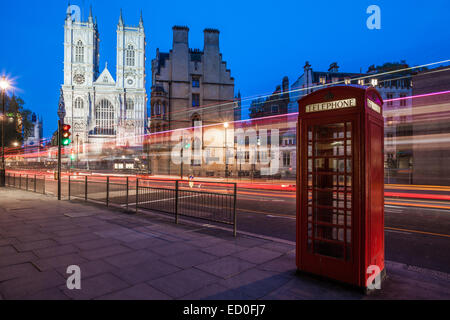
(4, 85)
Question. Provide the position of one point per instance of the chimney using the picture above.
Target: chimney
(211, 37)
(180, 34)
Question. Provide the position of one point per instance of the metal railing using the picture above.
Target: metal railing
(211, 201)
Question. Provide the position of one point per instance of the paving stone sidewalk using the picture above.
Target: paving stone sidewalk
(146, 256)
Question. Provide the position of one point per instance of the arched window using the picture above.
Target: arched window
(158, 108)
(79, 52)
(79, 103)
(130, 56)
(129, 108)
(78, 107)
(104, 118)
(196, 120)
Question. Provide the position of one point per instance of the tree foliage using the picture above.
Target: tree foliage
(18, 124)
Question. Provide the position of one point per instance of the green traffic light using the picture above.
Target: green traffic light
(66, 142)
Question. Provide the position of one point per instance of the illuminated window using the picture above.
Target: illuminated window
(195, 100)
(104, 118)
(389, 96)
(361, 82)
(195, 82)
(347, 80)
(130, 55)
(403, 100)
(79, 52)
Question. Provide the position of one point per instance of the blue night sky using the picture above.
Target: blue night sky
(260, 41)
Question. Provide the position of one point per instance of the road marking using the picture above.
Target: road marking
(272, 216)
(395, 231)
(417, 205)
(268, 213)
(417, 231)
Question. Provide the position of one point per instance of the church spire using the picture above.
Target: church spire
(90, 19)
(121, 19)
(141, 21)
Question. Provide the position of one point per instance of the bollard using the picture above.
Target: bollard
(107, 191)
(176, 202)
(127, 195)
(234, 211)
(137, 194)
(85, 187)
(69, 187)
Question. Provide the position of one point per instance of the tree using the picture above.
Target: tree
(18, 125)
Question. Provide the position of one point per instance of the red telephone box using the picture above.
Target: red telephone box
(340, 182)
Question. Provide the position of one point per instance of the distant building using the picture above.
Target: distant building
(431, 127)
(238, 107)
(312, 80)
(33, 141)
(395, 88)
(276, 104)
(272, 106)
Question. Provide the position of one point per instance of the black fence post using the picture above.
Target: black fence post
(69, 186)
(234, 211)
(137, 194)
(107, 191)
(176, 202)
(85, 187)
(127, 194)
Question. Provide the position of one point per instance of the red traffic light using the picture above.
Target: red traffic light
(66, 127)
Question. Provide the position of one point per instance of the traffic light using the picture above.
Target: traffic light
(65, 134)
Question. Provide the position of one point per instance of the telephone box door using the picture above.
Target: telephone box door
(328, 197)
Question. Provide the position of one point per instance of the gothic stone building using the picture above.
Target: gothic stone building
(103, 110)
(188, 85)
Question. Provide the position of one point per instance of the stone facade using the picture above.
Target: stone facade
(103, 110)
(189, 87)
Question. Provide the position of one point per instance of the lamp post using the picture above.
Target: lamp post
(4, 84)
(226, 125)
(77, 149)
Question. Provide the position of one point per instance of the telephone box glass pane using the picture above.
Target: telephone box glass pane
(329, 168)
